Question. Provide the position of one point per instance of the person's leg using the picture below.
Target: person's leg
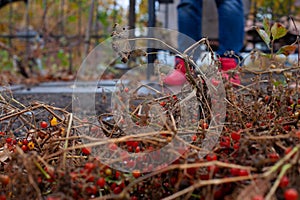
(189, 14)
(231, 25)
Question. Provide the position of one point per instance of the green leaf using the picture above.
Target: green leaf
(277, 83)
(264, 36)
(72, 18)
(278, 31)
(267, 27)
(287, 50)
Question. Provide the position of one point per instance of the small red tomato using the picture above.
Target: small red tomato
(117, 174)
(194, 138)
(25, 142)
(273, 156)
(248, 124)
(117, 190)
(291, 194)
(43, 124)
(211, 157)
(235, 171)
(225, 142)
(92, 189)
(90, 179)
(243, 172)
(9, 140)
(2, 197)
(137, 149)
(24, 148)
(267, 98)
(86, 150)
(126, 89)
(4, 179)
(136, 173)
(2, 133)
(113, 186)
(236, 146)
(236, 136)
(205, 125)
(89, 166)
(101, 182)
(258, 197)
(162, 103)
(284, 182)
(288, 150)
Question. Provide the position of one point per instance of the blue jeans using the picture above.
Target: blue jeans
(231, 24)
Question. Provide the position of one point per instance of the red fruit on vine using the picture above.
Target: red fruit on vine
(211, 157)
(4, 179)
(90, 178)
(86, 150)
(137, 149)
(43, 124)
(135, 144)
(291, 194)
(288, 150)
(25, 142)
(126, 89)
(273, 156)
(24, 148)
(92, 189)
(243, 172)
(287, 127)
(205, 125)
(236, 145)
(117, 174)
(122, 185)
(194, 138)
(258, 197)
(133, 198)
(101, 182)
(2, 197)
(236, 136)
(267, 98)
(2, 133)
(225, 142)
(9, 140)
(284, 181)
(130, 149)
(162, 103)
(235, 171)
(89, 166)
(249, 125)
(174, 97)
(136, 173)
(117, 190)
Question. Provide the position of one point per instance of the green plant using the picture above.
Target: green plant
(269, 33)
